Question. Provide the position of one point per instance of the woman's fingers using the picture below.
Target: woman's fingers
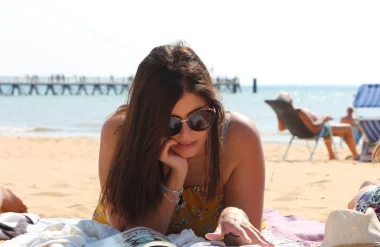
(172, 159)
(216, 235)
(241, 233)
(165, 150)
(166, 146)
(255, 236)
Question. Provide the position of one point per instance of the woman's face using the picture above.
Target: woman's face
(190, 143)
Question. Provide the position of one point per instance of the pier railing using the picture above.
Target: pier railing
(57, 79)
(79, 85)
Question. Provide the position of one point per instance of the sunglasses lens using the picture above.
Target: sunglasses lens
(175, 126)
(201, 120)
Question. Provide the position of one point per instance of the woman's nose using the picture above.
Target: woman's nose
(185, 129)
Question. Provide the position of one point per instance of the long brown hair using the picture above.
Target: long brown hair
(133, 186)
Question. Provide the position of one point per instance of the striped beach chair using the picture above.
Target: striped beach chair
(371, 128)
(371, 131)
(368, 96)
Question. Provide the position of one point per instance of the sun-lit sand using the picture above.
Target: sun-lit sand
(58, 177)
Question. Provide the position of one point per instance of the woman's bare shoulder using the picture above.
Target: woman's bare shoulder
(241, 125)
(243, 154)
(113, 123)
(242, 135)
(108, 142)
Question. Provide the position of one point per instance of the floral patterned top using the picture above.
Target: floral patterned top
(193, 211)
(196, 212)
(370, 199)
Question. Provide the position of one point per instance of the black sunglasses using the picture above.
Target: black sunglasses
(197, 121)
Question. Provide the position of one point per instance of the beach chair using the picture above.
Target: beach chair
(368, 96)
(289, 116)
(371, 131)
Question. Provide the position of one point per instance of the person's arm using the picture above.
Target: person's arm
(281, 125)
(244, 191)
(360, 193)
(249, 171)
(158, 220)
(108, 142)
(312, 122)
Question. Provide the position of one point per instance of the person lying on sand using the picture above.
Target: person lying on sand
(174, 159)
(317, 124)
(9, 202)
(369, 192)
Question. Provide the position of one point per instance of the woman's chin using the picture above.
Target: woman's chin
(187, 153)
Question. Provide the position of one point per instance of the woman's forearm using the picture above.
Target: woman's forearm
(159, 220)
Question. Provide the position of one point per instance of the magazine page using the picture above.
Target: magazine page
(135, 237)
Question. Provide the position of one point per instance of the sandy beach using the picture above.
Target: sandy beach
(58, 177)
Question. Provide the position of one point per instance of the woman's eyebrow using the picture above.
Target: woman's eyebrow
(191, 112)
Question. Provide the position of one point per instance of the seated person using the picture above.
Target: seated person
(369, 191)
(349, 119)
(317, 124)
(9, 202)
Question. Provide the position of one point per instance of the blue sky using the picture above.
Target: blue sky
(278, 42)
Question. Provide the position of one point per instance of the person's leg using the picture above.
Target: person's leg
(365, 187)
(328, 143)
(348, 136)
(367, 183)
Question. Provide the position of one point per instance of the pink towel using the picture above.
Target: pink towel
(294, 228)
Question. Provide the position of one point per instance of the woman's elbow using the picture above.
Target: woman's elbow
(117, 225)
(116, 221)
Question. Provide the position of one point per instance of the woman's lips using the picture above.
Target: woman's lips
(185, 145)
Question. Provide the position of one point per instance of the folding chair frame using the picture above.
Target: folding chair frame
(316, 138)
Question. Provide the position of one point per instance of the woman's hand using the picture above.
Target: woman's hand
(177, 163)
(234, 222)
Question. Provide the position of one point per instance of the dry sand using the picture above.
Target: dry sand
(58, 177)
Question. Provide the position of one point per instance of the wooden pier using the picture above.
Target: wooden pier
(227, 84)
(61, 85)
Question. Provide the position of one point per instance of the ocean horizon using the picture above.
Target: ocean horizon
(83, 116)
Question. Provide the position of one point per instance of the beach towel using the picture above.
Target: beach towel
(101, 234)
(15, 224)
(294, 228)
(8, 232)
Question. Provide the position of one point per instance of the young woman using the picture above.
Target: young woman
(173, 159)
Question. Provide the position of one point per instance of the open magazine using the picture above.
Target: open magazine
(135, 237)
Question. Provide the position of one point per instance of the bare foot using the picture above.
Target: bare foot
(349, 157)
(11, 202)
(333, 157)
